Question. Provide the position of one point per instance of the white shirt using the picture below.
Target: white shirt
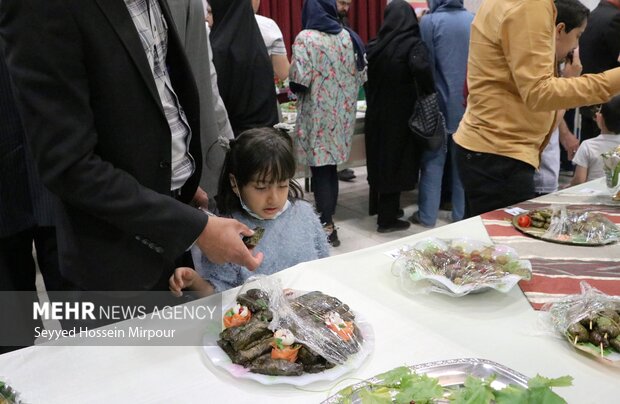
(271, 35)
(589, 154)
(546, 177)
(153, 31)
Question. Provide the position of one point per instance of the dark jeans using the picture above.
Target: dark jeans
(325, 188)
(492, 181)
(387, 208)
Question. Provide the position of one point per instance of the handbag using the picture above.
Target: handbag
(427, 122)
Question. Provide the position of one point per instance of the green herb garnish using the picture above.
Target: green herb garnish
(262, 304)
(401, 385)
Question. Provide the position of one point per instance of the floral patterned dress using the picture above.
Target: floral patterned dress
(325, 64)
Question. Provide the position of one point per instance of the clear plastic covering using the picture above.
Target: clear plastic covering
(574, 226)
(589, 320)
(458, 267)
(8, 395)
(286, 332)
(611, 166)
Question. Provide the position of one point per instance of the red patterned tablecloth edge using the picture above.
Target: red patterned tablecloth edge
(553, 279)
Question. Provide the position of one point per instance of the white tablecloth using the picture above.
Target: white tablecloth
(408, 330)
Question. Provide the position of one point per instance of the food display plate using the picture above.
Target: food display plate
(539, 233)
(450, 373)
(609, 356)
(219, 358)
(412, 271)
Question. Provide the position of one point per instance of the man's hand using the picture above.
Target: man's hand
(220, 242)
(572, 68)
(201, 199)
(568, 140)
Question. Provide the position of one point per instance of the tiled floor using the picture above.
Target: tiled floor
(356, 229)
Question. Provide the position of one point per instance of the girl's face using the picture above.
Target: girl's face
(265, 199)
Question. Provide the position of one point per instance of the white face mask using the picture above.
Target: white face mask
(252, 213)
(255, 216)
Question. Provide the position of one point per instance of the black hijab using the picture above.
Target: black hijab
(244, 71)
(400, 29)
(322, 15)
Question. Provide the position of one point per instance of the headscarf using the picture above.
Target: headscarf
(244, 71)
(400, 28)
(434, 5)
(322, 15)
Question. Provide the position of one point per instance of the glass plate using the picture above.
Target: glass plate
(411, 272)
(450, 373)
(539, 233)
(220, 359)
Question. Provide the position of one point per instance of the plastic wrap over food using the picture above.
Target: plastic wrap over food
(458, 267)
(576, 226)
(287, 332)
(590, 319)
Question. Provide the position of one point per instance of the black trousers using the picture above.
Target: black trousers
(18, 273)
(387, 208)
(492, 181)
(325, 188)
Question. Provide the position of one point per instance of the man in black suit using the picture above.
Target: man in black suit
(599, 49)
(26, 216)
(111, 110)
(26, 207)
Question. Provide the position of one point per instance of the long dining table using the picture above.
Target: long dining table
(408, 329)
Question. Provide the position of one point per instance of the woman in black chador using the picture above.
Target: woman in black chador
(397, 60)
(244, 70)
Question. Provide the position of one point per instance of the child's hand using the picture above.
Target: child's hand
(182, 278)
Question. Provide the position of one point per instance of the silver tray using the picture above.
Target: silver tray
(450, 373)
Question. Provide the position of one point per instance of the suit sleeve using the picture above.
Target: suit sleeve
(221, 115)
(48, 67)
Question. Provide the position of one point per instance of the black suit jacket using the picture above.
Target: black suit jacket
(599, 44)
(99, 135)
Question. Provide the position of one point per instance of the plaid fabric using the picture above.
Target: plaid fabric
(153, 30)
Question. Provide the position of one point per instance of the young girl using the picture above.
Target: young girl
(257, 188)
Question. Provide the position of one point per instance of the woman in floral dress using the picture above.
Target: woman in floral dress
(327, 70)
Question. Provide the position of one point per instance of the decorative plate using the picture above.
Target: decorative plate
(611, 231)
(220, 359)
(450, 373)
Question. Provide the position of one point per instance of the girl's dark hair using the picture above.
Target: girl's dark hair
(611, 114)
(257, 154)
(572, 13)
